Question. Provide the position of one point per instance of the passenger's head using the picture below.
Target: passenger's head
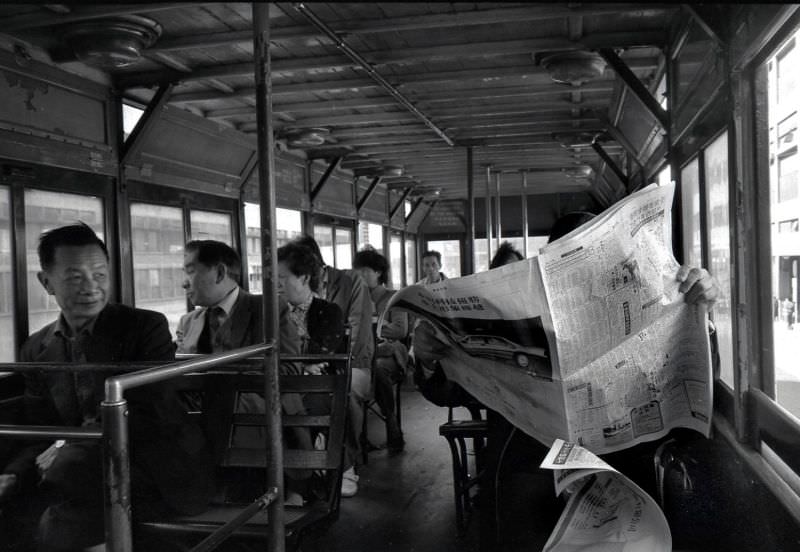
(211, 270)
(372, 266)
(505, 254)
(310, 243)
(568, 223)
(431, 265)
(298, 272)
(74, 269)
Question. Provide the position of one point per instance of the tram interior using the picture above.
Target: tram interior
(412, 126)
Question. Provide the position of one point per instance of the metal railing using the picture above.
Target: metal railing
(114, 434)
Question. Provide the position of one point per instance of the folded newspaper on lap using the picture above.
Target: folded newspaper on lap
(606, 511)
(590, 342)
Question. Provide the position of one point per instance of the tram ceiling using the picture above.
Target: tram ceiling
(390, 83)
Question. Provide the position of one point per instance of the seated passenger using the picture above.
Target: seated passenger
(391, 355)
(347, 289)
(431, 268)
(170, 462)
(504, 255)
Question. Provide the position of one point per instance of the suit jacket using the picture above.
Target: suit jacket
(242, 328)
(325, 327)
(167, 447)
(348, 290)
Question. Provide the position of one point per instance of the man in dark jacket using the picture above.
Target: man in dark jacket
(170, 462)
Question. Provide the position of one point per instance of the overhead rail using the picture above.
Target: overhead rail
(367, 66)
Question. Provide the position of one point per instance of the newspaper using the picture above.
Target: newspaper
(590, 342)
(605, 511)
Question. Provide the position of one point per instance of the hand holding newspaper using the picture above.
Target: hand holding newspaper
(590, 342)
(606, 511)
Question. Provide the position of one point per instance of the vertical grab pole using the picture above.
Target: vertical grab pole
(117, 477)
(488, 206)
(266, 186)
(497, 207)
(470, 249)
(524, 214)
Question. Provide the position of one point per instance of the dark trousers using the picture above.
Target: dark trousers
(387, 373)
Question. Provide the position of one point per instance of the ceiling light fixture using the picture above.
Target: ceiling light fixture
(112, 42)
(574, 67)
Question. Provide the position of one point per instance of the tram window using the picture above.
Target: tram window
(451, 256)
(690, 214)
(481, 251)
(44, 211)
(411, 260)
(7, 345)
(395, 261)
(157, 241)
(288, 225)
(715, 160)
(407, 206)
(208, 225)
(344, 247)
(130, 116)
(665, 176)
(370, 234)
(535, 243)
(783, 108)
(324, 236)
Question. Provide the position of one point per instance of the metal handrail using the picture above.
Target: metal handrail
(116, 462)
(221, 535)
(50, 432)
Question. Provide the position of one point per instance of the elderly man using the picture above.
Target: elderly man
(170, 462)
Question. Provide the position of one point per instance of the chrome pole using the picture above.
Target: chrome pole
(524, 199)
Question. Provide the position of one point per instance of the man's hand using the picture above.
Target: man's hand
(45, 459)
(8, 484)
(698, 285)
(427, 345)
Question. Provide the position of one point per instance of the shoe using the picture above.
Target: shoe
(349, 483)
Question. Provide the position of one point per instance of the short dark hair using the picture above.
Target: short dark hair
(432, 253)
(568, 223)
(301, 261)
(71, 235)
(369, 258)
(310, 243)
(505, 254)
(212, 252)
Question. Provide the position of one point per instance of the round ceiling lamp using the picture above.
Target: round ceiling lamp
(112, 42)
(581, 171)
(306, 137)
(575, 68)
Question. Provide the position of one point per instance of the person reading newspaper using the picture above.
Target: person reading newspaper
(522, 453)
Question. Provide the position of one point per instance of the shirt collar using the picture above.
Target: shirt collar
(63, 329)
(304, 306)
(227, 303)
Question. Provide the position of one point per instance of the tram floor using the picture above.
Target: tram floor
(404, 502)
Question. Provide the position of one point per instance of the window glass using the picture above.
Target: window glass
(451, 256)
(7, 327)
(344, 247)
(535, 243)
(130, 116)
(690, 214)
(288, 225)
(715, 159)
(157, 242)
(665, 176)
(370, 234)
(407, 206)
(783, 107)
(45, 211)
(411, 260)
(324, 238)
(481, 249)
(208, 225)
(395, 261)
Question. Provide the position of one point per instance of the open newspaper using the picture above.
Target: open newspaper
(605, 511)
(590, 342)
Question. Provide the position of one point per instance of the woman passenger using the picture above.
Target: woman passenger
(391, 355)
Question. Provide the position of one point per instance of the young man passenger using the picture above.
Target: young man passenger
(171, 464)
(431, 267)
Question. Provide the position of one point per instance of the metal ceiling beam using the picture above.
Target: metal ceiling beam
(712, 23)
(368, 194)
(636, 86)
(355, 56)
(414, 209)
(332, 166)
(145, 122)
(400, 202)
(81, 13)
(611, 164)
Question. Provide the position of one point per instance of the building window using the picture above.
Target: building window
(45, 211)
(157, 241)
(7, 326)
